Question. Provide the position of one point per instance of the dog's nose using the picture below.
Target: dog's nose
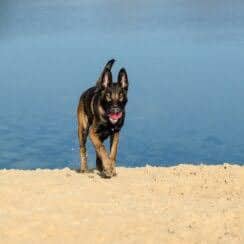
(115, 110)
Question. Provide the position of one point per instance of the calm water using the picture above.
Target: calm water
(185, 64)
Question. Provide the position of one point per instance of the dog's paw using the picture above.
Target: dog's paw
(107, 173)
(114, 171)
(83, 170)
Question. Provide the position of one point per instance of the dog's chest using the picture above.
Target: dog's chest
(105, 131)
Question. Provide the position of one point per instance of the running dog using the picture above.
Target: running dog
(101, 114)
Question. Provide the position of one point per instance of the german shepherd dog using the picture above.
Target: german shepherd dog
(101, 114)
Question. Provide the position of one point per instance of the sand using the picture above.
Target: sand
(182, 204)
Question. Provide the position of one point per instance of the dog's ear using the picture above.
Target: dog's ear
(105, 80)
(123, 79)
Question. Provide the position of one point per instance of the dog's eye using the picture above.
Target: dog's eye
(121, 97)
(108, 97)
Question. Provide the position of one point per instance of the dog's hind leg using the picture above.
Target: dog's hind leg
(82, 135)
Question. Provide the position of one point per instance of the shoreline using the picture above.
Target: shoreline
(176, 204)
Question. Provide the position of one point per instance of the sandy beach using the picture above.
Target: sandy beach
(182, 204)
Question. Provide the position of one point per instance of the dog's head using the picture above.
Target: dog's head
(113, 96)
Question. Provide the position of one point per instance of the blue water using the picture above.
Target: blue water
(185, 64)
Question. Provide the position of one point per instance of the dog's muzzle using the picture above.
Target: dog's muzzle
(114, 115)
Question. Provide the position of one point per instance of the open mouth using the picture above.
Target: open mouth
(114, 117)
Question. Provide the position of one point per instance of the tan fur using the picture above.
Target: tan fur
(82, 130)
(101, 151)
(114, 141)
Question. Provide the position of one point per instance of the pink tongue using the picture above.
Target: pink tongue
(115, 116)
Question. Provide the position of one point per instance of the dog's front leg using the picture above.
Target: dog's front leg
(101, 152)
(114, 141)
